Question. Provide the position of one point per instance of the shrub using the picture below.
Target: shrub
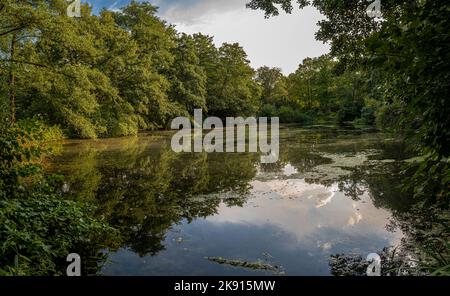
(286, 114)
(38, 228)
(348, 113)
(368, 115)
(268, 111)
(388, 116)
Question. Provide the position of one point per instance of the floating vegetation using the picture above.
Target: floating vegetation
(245, 264)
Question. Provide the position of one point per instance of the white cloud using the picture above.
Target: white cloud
(191, 11)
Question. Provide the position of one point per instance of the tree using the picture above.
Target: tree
(53, 73)
(268, 78)
(208, 56)
(187, 77)
(18, 18)
(280, 93)
(234, 91)
(311, 86)
(146, 86)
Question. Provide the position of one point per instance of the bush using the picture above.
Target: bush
(388, 116)
(268, 111)
(38, 228)
(368, 115)
(286, 114)
(348, 113)
(289, 115)
(303, 118)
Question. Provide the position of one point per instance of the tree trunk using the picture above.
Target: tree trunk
(309, 94)
(12, 79)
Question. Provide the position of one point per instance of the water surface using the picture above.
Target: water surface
(334, 191)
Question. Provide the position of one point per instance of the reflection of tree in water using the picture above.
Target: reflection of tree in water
(144, 189)
(141, 187)
(425, 225)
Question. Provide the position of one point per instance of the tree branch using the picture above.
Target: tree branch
(40, 66)
(11, 31)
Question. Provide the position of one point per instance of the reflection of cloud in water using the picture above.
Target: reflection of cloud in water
(353, 220)
(356, 217)
(325, 246)
(306, 210)
(296, 188)
(289, 170)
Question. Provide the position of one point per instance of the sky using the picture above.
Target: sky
(282, 41)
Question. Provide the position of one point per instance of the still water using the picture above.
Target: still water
(333, 191)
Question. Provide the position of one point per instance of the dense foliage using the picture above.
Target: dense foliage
(115, 73)
(316, 92)
(38, 228)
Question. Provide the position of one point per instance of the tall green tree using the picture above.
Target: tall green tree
(187, 77)
(18, 19)
(146, 87)
(52, 67)
(311, 86)
(235, 91)
(208, 55)
(270, 81)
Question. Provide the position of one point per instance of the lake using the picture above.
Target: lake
(334, 191)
